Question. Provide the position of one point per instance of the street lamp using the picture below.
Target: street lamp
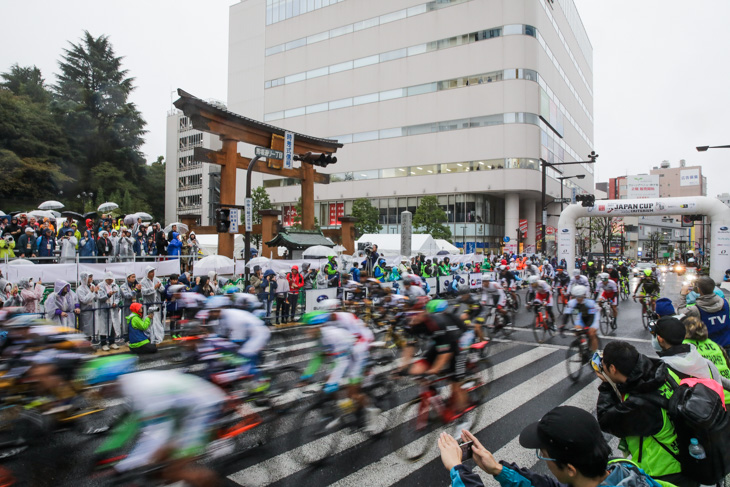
(83, 196)
(703, 148)
(545, 164)
(563, 178)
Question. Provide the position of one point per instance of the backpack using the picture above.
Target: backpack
(697, 411)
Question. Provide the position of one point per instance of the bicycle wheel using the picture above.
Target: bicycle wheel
(282, 395)
(509, 324)
(605, 322)
(559, 303)
(417, 431)
(645, 319)
(480, 371)
(382, 396)
(319, 430)
(623, 291)
(518, 302)
(540, 328)
(574, 359)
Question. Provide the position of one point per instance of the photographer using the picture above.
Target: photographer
(68, 246)
(139, 342)
(7, 244)
(567, 438)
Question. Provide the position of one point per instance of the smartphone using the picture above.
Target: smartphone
(466, 452)
(597, 362)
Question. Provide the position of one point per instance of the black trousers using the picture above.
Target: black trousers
(145, 349)
(282, 309)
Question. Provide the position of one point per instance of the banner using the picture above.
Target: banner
(644, 186)
(50, 273)
(523, 228)
(689, 177)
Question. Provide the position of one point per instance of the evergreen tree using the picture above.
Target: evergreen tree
(261, 201)
(429, 217)
(26, 81)
(92, 102)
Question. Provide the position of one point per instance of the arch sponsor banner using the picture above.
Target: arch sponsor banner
(624, 207)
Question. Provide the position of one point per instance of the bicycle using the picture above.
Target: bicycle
(561, 300)
(543, 327)
(420, 418)
(648, 315)
(324, 424)
(514, 302)
(578, 354)
(607, 321)
(623, 288)
(495, 322)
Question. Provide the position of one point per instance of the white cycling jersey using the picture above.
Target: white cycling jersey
(241, 326)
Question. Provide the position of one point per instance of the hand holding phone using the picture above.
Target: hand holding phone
(466, 451)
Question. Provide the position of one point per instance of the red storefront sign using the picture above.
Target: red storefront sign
(523, 228)
(337, 211)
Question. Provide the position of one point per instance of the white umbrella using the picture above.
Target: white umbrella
(339, 248)
(107, 207)
(282, 250)
(144, 216)
(258, 261)
(129, 220)
(50, 205)
(21, 262)
(318, 252)
(41, 214)
(218, 263)
(181, 228)
(2, 213)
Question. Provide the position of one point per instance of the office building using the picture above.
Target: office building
(460, 99)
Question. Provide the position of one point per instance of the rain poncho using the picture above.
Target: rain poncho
(115, 246)
(68, 249)
(108, 315)
(57, 304)
(86, 298)
(126, 248)
(87, 246)
(6, 248)
(152, 295)
(31, 294)
(174, 246)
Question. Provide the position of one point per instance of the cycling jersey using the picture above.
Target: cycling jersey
(444, 330)
(544, 292)
(648, 285)
(240, 326)
(508, 279)
(608, 290)
(547, 271)
(586, 314)
(496, 292)
(580, 280)
(532, 270)
(562, 279)
(613, 275)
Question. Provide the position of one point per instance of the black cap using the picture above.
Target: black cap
(670, 329)
(567, 432)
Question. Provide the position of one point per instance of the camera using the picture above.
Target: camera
(153, 309)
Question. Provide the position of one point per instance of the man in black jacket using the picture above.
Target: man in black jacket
(623, 410)
(160, 241)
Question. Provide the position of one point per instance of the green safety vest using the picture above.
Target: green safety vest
(646, 452)
(712, 352)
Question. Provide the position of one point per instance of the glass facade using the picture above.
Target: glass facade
(280, 10)
(363, 24)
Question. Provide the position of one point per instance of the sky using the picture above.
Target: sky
(661, 76)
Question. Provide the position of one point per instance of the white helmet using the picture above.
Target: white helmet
(603, 276)
(690, 259)
(532, 280)
(575, 272)
(578, 291)
(609, 266)
(329, 305)
(545, 262)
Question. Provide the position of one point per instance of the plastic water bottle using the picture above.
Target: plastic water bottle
(695, 450)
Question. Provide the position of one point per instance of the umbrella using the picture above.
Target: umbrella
(318, 252)
(90, 214)
(107, 207)
(41, 214)
(258, 261)
(72, 214)
(442, 252)
(2, 213)
(129, 220)
(50, 205)
(21, 262)
(15, 212)
(339, 248)
(282, 250)
(181, 228)
(144, 216)
(219, 263)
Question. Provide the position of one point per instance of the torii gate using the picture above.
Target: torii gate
(691, 205)
(232, 129)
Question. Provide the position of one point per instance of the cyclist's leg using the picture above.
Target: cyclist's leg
(593, 338)
(193, 437)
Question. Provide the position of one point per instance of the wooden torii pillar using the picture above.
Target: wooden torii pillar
(232, 129)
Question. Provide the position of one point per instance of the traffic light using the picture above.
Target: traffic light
(586, 199)
(316, 159)
(222, 220)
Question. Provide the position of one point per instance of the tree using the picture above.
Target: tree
(655, 239)
(34, 153)
(261, 201)
(603, 229)
(367, 217)
(26, 81)
(91, 101)
(429, 217)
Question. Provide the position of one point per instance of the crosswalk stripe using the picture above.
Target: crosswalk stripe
(283, 465)
(392, 468)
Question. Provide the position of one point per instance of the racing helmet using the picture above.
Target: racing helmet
(604, 276)
(437, 306)
(609, 266)
(647, 272)
(575, 272)
(532, 280)
(579, 291)
(329, 305)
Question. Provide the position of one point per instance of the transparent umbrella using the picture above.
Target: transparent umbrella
(318, 252)
(21, 262)
(50, 205)
(218, 263)
(181, 228)
(144, 216)
(41, 214)
(107, 207)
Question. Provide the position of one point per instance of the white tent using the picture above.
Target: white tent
(445, 245)
(209, 244)
(389, 243)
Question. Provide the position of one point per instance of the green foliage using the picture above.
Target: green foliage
(429, 217)
(367, 217)
(26, 81)
(261, 201)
